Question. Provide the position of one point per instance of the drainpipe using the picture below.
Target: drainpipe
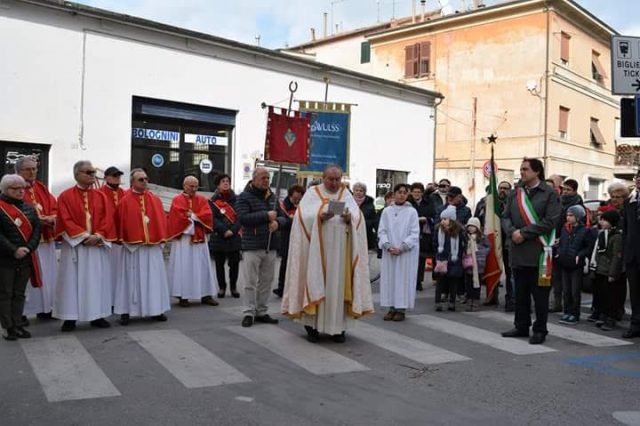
(545, 152)
(435, 126)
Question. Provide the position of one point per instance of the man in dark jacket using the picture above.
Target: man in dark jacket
(19, 238)
(631, 250)
(542, 208)
(256, 209)
(438, 198)
(456, 199)
(287, 208)
(425, 218)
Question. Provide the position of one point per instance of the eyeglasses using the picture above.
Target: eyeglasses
(17, 188)
(504, 188)
(88, 172)
(443, 185)
(143, 179)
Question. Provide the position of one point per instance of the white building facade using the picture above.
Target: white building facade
(82, 83)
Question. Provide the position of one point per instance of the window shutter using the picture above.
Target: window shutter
(365, 52)
(425, 58)
(597, 69)
(596, 135)
(564, 46)
(411, 60)
(563, 124)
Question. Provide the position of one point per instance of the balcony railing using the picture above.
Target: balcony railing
(628, 155)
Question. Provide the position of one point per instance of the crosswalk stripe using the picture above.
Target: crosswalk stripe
(580, 336)
(314, 358)
(66, 370)
(190, 363)
(408, 347)
(478, 335)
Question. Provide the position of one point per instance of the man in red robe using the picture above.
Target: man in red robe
(190, 272)
(86, 225)
(111, 188)
(141, 283)
(40, 299)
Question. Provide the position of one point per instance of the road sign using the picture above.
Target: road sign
(206, 166)
(637, 115)
(625, 65)
(486, 168)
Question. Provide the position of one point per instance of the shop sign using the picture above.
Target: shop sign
(206, 139)
(155, 134)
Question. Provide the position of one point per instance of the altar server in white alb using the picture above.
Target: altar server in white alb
(85, 224)
(142, 289)
(399, 240)
(190, 272)
(40, 299)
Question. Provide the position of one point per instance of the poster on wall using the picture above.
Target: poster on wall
(330, 124)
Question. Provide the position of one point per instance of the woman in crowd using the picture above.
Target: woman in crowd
(19, 238)
(368, 209)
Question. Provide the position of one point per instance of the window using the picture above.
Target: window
(11, 152)
(417, 60)
(563, 122)
(594, 191)
(365, 52)
(596, 135)
(564, 48)
(597, 70)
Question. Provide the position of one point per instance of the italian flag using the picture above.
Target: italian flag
(492, 230)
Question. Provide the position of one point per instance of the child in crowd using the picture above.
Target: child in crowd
(609, 280)
(573, 249)
(475, 261)
(450, 245)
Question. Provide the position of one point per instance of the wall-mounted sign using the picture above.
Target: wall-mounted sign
(154, 134)
(329, 139)
(206, 139)
(486, 168)
(157, 160)
(625, 65)
(206, 166)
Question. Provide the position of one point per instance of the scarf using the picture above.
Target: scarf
(599, 247)
(472, 249)
(455, 241)
(359, 200)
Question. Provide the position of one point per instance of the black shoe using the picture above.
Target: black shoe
(68, 325)
(594, 317)
(45, 315)
(100, 323)
(247, 321)
(266, 319)
(277, 292)
(313, 335)
(22, 333)
(537, 339)
(235, 294)
(221, 294)
(124, 319)
(630, 334)
(419, 287)
(608, 325)
(516, 332)
(339, 338)
(24, 322)
(11, 334)
(160, 318)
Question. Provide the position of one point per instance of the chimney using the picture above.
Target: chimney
(423, 5)
(413, 11)
(313, 34)
(477, 4)
(324, 25)
(337, 28)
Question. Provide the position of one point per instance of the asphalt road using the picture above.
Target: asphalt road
(202, 368)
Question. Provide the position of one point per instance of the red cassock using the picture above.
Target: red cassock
(45, 205)
(114, 195)
(178, 220)
(140, 219)
(85, 210)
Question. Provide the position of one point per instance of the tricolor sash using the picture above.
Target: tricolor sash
(21, 221)
(530, 217)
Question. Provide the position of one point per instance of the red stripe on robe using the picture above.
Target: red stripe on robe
(180, 213)
(45, 204)
(113, 195)
(132, 228)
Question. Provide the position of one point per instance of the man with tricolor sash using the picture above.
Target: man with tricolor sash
(529, 221)
(40, 299)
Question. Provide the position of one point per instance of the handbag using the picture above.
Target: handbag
(467, 261)
(441, 267)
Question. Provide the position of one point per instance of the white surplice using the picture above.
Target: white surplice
(115, 255)
(41, 299)
(141, 284)
(323, 259)
(399, 226)
(84, 286)
(190, 272)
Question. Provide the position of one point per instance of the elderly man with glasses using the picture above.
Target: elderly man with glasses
(86, 227)
(19, 237)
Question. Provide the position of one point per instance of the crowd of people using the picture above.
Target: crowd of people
(112, 250)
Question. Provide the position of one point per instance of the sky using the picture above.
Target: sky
(281, 23)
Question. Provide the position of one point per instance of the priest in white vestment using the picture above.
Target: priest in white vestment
(190, 220)
(327, 279)
(141, 287)
(399, 240)
(85, 224)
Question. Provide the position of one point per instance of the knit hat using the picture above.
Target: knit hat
(577, 211)
(611, 216)
(449, 213)
(474, 221)
(605, 208)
